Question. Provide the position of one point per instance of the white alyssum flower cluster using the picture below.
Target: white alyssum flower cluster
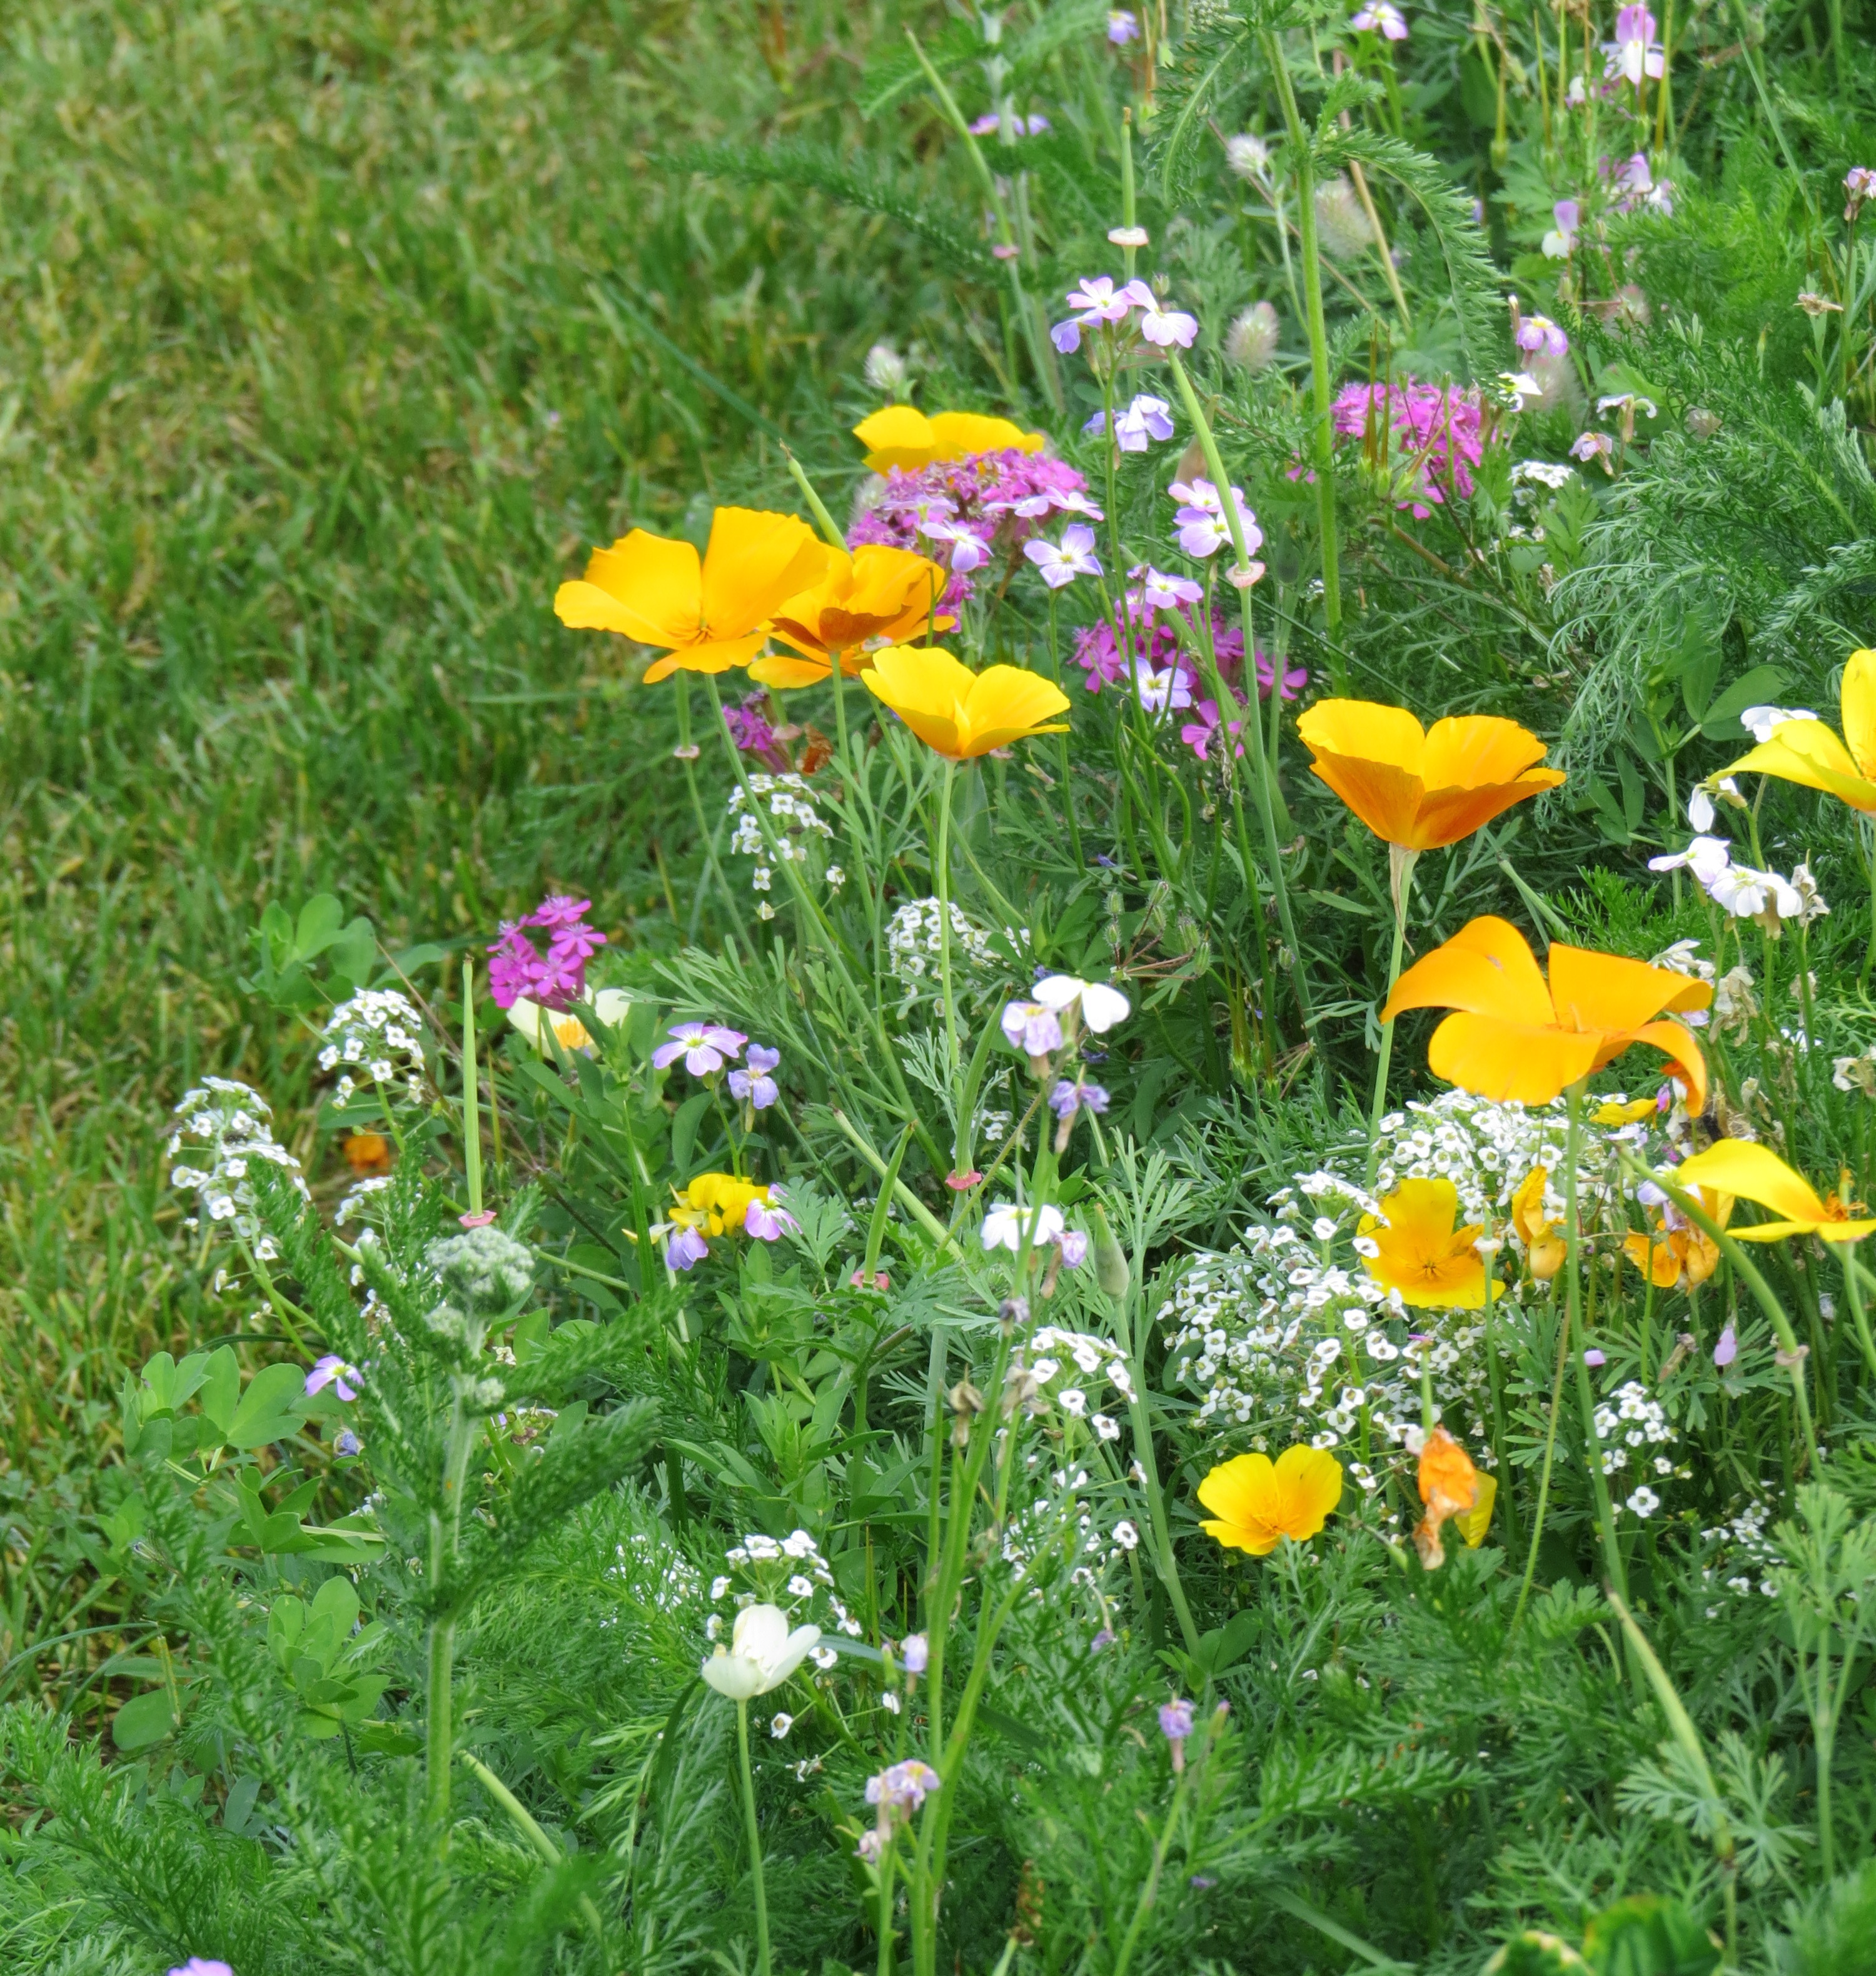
(1075, 1386)
(790, 802)
(914, 941)
(378, 1032)
(1289, 1328)
(788, 1572)
(1628, 1423)
(221, 1129)
(1744, 1557)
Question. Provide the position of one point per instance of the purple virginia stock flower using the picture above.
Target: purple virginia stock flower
(755, 1087)
(332, 1371)
(703, 1045)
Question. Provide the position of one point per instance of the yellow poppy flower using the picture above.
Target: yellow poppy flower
(1254, 1501)
(1755, 1173)
(1516, 1037)
(1419, 1252)
(708, 614)
(1679, 1256)
(1450, 1486)
(903, 436)
(1419, 788)
(1808, 753)
(877, 592)
(959, 713)
(1545, 1247)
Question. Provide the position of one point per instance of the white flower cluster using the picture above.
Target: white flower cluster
(1102, 1540)
(221, 1129)
(1092, 1362)
(914, 944)
(1627, 1424)
(378, 1032)
(659, 1573)
(1744, 891)
(789, 801)
(1744, 1558)
(789, 1572)
(1281, 1333)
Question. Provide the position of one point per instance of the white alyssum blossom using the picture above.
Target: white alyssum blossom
(913, 955)
(221, 1130)
(378, 1032)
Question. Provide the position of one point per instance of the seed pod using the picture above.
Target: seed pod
(1111, 1270)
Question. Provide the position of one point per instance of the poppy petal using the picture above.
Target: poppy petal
(1518, 1061)
(1858, 707)
(1385, 798)
(1606, 991)
(900, 435)
(1447, 815)
(755, 561)
(1486, 968)
(1676, 1041)
(1752, 1172)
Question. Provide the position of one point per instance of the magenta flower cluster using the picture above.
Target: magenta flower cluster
(965, 512)
(553, 976)
(1433, 430)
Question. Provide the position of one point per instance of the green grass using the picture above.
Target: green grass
(321, 361)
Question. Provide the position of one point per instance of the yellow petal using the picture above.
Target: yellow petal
(1364, 729)
(1472, 1525)
(1858, 707)
(654, 585)
(1607, 991)
(900, 435)
(1509, 1061)
(1752, 1172)
(1808, 753)
(715, 655)
(959, 434)
(1309, 1482)
(784, 670)
(1677, 1042)
(1486, 969)
(755, 561)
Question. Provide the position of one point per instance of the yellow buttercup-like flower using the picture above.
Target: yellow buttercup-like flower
(877, 592)
(708, 614)
(1543, 1239)
(903, 436)
(1808, 753)
(1420, 1252)
(959, 713)
(1255, 1501)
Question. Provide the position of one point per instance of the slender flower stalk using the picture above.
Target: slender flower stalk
(1261, 764)
(1585, 1394)
(1320, 378)
(753, 1832)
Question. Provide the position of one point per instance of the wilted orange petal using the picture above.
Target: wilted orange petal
(1654, 1258)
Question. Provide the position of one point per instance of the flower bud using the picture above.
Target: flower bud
(1110, 1269)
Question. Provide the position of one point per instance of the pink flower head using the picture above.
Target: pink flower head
(1381, 17)
(703, 1045)
(1163, 593)
(914, 1653)
(1098, 301)
(1075, 557)
(748, 727)
(753, 1087)
(556, 978)
(1859, 185)
(1072, 1242)
(1175, 1720)
(903, 1787)
(1634, 53)
(1163, 326)
(1068, 1097)
(1197, 734)
(1428, 436)
(1200, 522)
(332, 1371)
(1599, 447)
(1539, 332)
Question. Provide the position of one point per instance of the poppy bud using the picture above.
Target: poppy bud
(1110, 1269)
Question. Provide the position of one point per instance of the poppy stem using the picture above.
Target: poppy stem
(1400, 862)
(1543, 1484)
(1853, 1284)
(1585, 1393)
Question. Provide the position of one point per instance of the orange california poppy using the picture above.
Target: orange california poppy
(1254, 1501)
(877, 592)
(708, 614)
(367, 1152)
(1807, 752)
(1516, 1037)
(1418, 1251)
(1545, 1247)
(960, 713)
(1449, 1486)
(903, 436)
(1421, 788)
(1755, 1173)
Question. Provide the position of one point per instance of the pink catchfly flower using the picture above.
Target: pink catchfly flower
(704, 1046)
(1381, 17)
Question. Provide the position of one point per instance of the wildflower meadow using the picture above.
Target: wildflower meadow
(938, 989)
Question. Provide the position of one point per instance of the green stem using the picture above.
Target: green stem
(1150, 1893)
(1253, 727)
(471, 1100)
(1400, 862)
(1543, 1485)
(1585, 1394)
(525, 1824)
(755, 1840)
(1319, 353)
(1853, 1286)
(941, 866)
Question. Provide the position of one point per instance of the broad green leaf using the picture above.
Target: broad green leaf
(273, 1407)
(144, 1720)
(321, 919)
(221, 1389)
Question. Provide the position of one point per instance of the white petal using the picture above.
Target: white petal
(610, 1005)
(795, 1650)
(526, 1017)
(1057, 991)
(733, 1675)
(1103, 1006)
(760, 1632)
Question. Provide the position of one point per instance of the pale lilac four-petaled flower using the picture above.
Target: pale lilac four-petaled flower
(1034, 1027)
(686, 1249)
(1164, 326)
(1539, 332)
(1123, 27)
(1381, 17)
(1068, 1097)
(1158, 592)
(703, 1045)
(768, 1223)
(1097, 300)
(332, 1371)
(1203, 529)
(1634, 52)
(1074, 558)
(753, 1087)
